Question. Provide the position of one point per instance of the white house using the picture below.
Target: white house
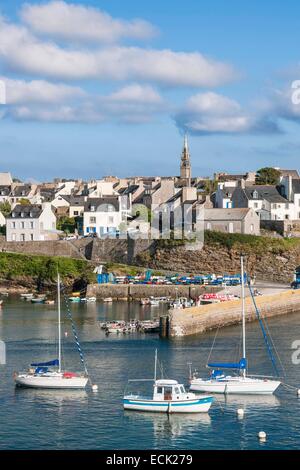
(266, 200)
(102, 188)
(103, 216)
(2, 220)
(31, 223)
(291, 190)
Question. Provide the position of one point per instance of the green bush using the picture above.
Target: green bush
(13, 265)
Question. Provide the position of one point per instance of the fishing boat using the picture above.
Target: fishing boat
(108, 299)
(27, 296)
(239, 383)
(154, 302)
(38, 300)
(145, 301)
(168, 396)
(74, 299)
(50, 374)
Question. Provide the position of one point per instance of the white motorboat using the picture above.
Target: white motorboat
(108, 299)
(50, 374)
(219, 382)
(168, 396)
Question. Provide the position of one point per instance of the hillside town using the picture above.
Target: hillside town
(266, 201)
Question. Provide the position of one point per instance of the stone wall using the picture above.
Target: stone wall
(207, 317)
(136, 292)
(265, 265)
(47, 248)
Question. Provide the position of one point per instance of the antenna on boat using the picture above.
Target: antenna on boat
(59, 323)
(155, 365)
(243, 310)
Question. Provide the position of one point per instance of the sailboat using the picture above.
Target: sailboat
(50, 374)
(241, 383)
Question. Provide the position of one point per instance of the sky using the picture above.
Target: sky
(109, 87)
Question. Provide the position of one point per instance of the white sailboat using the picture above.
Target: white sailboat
(50, 374)
(241, 383)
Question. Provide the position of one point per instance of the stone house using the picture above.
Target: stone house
(244, 221)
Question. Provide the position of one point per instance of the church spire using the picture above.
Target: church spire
(185, 165)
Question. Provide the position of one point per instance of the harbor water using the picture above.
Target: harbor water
(40, 419)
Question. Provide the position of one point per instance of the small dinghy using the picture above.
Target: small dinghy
(168, 396)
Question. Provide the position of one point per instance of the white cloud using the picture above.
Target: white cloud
(39, 91)
(47, 102)
(21, 51)
(68, 21)
(136, 93)
(211, 113)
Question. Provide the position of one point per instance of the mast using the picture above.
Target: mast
(155, 365)
(243, 311)
(59, 323)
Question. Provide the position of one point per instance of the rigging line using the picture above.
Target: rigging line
(274, 346)
(74, 332)
(263, 331)
(213, 344)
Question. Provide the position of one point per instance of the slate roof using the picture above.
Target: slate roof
(226, 214)
(101, 201)
(21, 191)
(296, 186)
(26, 211)
(267, 192)
(5, 190)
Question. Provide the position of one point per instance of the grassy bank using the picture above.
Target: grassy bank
(251, 242)
(15, 266)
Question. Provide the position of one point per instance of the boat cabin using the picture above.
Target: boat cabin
(168, 390)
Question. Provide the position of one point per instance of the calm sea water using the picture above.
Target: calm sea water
(32, 419)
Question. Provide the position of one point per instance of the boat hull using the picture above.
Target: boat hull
(51, 382)
(243, 386)
(197, 405)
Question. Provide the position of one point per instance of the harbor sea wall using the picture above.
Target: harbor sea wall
(46, 248)
(195, 320)
(137, 291)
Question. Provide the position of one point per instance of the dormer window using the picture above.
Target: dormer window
(255, 194)
(93, 208)
(22, 214)
(30, 214)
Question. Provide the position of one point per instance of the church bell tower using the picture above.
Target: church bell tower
(185, 165)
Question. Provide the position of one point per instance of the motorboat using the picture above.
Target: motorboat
(168, 396)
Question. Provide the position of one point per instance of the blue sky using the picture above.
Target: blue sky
(103, 93)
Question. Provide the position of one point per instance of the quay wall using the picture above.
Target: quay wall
(46, 248)
(195, 320)
(137, 292)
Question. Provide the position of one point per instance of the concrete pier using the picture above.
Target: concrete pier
(190, 321)
(139, 291)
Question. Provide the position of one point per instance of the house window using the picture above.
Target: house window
(287, 216)
(22, 224)
(92, 220)
(13, 237)
(31, 237)
(13, 224)
(255, 205)
(22, 237)
(251, 228)
(31, 224)
(75, 213)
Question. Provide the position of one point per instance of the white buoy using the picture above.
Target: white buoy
(262, 436)
(95, 388)
(66, 333)
(240, 412)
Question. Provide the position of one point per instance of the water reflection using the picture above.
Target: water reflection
(170, 426)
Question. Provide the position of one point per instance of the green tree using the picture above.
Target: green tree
(267, 175)
(66, 224)
(5, 208)
(24, 202)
